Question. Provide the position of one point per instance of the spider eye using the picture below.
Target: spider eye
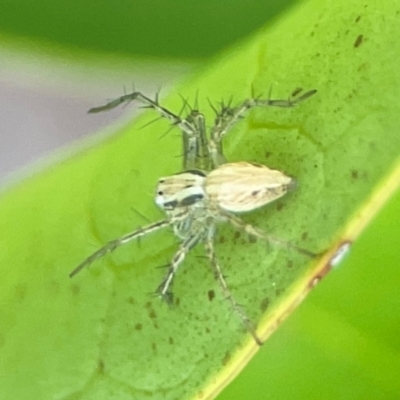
(160, 193)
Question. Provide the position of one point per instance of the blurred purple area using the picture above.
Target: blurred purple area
(38, 118)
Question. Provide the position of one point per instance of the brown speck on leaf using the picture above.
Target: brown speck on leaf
(252, 239)
(75, 289)
(289, 264)
(304, 236)
(267, 154)
(226, 358)
(20, 291)
(131, 300)
(207, 329)
(354, 174)
(211, 295)
(152, 314)
(138, 327)
(154, 346)
(236, 235)
(177, 301)
(279, 206)
(170, 340)
(264, 304)
(358, 18)
(221, 239)
(358, 41)
(100, 366)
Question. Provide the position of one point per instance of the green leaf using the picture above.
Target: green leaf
(157, 28)
(101, 335)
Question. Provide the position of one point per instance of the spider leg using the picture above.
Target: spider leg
(228, 116)
(209, 247)
(253, 231)
(179, 256)
(111, 246)
(195, 146)
(186, 126)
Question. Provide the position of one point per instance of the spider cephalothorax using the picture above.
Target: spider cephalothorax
(209, 191)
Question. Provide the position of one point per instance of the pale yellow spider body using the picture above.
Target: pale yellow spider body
(208, 191)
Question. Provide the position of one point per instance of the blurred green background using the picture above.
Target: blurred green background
(344, 342)
(156, 28)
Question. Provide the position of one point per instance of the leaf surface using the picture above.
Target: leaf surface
(101, 335)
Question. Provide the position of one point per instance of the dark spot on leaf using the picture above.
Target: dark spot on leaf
(207, 329)
(278, 292)
(20, 292)
(152, 314)
(358, 18)
(226, 358)
(211, 295)
(221, 239)
(264, 304)
(177, 301)
(354, 174)
(131, 300)
(236, 235)
(289, 264)
(148, 304)
(138, 327)
(154, 346)
(75, 289)
(53, 287)
(358, 41)
(170, 340)
(279, 206)
(304, 236)
(267, 154)
(100, 366)
(252, 239)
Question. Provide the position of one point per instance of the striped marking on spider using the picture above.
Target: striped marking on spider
(208, 191)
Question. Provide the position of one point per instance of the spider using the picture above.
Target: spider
(209, 191)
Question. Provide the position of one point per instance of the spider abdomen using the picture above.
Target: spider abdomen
(243, 186)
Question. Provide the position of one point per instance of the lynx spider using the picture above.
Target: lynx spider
(210, 190)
